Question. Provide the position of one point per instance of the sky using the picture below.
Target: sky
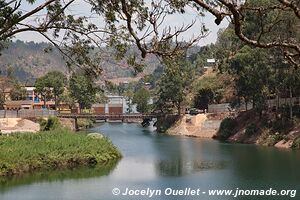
(82, 8)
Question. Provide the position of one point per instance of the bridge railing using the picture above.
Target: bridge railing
(137, 115)
(27, 113)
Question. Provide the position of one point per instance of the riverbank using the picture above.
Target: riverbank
(13, 125)
(201, 125)
(268, 130)
(50, 150)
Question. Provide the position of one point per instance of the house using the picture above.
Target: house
(210, 63)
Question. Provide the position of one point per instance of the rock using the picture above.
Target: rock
(195, 126)
(284, 144)
(95, 135)
(68, 123)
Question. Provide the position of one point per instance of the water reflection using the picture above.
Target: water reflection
(182, 168)
(152, 160)
(57, 175)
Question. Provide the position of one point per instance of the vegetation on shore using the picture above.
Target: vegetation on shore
(58, 175)
(50, 150)
(266, 130)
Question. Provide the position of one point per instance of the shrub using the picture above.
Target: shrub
(296, 143)
(282, 125)
(252, 129)
(227, 128)
(273, 139)
(51, 123)
(85, 123)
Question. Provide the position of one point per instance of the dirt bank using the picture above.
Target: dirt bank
(13, 125)
(201, 125)
(250, 128)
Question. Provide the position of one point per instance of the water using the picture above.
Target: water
(157, 161)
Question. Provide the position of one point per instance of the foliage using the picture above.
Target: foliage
(282, 124)
(49, 124)
(59, 148)
(43, 88)
(129, 95)
(18, 92)
(212, 88)
(252, 129)
(227, 128)
(85, 123)
(67, 98)
(204, 97)
(253, 81)
(83, 89)
(141, 98)
(273, 139)
(4, 84)
(174, 85)
(296, 144)
(57, 82)
(50, 85)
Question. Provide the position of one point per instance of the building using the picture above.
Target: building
(31, 95)
(17, 105)
(114, 105)
(210, 63)
(32, 101)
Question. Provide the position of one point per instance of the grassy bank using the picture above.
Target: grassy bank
(54, 149)
(83, 172)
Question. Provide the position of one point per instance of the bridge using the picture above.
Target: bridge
(109, 117)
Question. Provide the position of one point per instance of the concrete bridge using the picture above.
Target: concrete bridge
(109, 117)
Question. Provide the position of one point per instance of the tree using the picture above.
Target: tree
(43, 88)
(83, 89)
(129, 95)
(253, 82)
(6, 85)
(267, 17)
(57, 81)
(124, 23)
(204, 97)
(174, 85)
(141, 98)
(51, 85)
(18, 92)
(67, 98)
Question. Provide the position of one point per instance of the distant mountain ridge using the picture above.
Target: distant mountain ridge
(28, 61)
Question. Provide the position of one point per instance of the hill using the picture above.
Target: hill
(29, 60)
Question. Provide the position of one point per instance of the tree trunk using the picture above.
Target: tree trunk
(179, 109)
(277, 100)
(45, 101)
(291, 103)
(55, 101)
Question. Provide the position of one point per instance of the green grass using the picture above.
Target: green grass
(55, 149)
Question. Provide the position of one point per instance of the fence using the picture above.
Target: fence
(31, 113)
(225, 107)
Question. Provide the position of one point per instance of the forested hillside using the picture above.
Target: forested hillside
(29, 60)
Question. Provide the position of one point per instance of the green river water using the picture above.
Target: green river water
(163, 163)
